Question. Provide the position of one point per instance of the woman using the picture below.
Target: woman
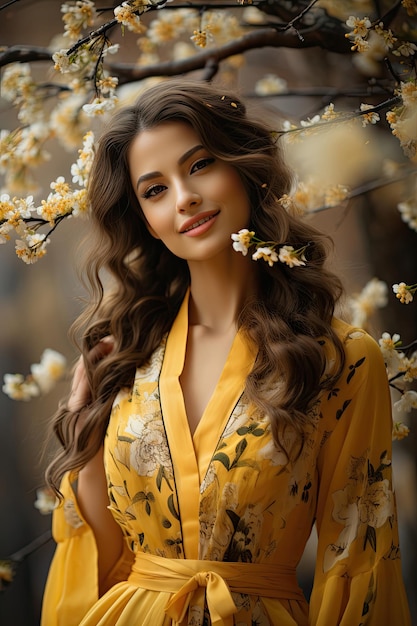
(234, 410)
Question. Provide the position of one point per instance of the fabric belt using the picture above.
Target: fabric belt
(196, 582)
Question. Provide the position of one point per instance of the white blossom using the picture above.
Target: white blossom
(17, 387)
(46, 501)
(242, 240)
(373, 296)
(270, 84)
(267, 254)
(407, 401)
(291, 257)
(99, 106)
(51, 368)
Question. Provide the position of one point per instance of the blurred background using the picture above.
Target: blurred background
(39, 302)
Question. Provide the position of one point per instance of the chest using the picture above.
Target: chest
(206, 355)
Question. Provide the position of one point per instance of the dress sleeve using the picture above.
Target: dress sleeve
(72, 584)
(358, 579)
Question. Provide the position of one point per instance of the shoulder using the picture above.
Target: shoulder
(361, 350)
(355, 339)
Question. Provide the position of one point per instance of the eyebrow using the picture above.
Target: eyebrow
(181, 160)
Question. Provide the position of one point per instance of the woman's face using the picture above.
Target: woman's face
(192, 201)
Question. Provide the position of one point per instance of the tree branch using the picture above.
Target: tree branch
(24, 54)
(253, 40)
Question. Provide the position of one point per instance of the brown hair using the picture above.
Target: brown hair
(287, 321)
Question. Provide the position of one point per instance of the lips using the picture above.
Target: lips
(197, 220)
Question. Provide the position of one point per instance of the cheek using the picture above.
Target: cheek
(150, 222)
(234, 190)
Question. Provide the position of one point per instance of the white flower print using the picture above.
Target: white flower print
(238, 418)
(208, 478)
(71, 516)
(364, 504)
(377, 505)
(270, 452)
(149, 450)
(346, 513)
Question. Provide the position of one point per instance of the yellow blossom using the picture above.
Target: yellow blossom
(77, 16)
(335, 195)
(392, 117)
(369, 118)
(289, 204)
(405, 49)
(387, 35)
(399, 431)
(60, 186)
(6, 573)
(409, 368)
(125, 15)
(199, 37)
(329, 112)
(291, 257)
(360, 44)
(360, 26)
(410, 6)
(403, 293)
(266, 253)
(409, 93)
(242, 240)
(270, 84)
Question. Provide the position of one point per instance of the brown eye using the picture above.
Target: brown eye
(154, 190)
(201, 164)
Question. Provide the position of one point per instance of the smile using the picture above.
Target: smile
(199, 222)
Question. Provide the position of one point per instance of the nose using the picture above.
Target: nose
(187, 198)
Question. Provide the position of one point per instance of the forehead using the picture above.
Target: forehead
(163, 143)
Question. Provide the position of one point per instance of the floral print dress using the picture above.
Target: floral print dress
(216, 523)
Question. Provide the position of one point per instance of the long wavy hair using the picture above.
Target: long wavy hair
(287, 321)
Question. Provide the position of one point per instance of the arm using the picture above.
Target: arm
(93, 501)
(92, 494)
(91, 554)
(358, 580)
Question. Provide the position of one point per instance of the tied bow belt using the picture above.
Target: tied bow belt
(194, 582)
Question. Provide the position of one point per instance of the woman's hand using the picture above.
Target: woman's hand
(80, 395)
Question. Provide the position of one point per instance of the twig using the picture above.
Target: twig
(24, 54)
(8, 4)
(102, 30)
(20, 555)
(297, 18)
(367, 187)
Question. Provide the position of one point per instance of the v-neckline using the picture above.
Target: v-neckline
(192, 453)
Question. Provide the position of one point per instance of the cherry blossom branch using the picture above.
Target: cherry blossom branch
(254, 40)
(367, 187)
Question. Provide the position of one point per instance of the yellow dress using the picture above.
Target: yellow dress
(218, 522)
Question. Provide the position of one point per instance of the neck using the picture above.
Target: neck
(219, 291)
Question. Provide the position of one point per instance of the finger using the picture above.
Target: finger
(101, 349)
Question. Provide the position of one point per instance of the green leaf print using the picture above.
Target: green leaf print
(353, 369)
(240, 448)
(161, 476)
(141, 496)
(340, 412)
(223, 458)
(251, 430)
(172, 508)
(370, 537)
